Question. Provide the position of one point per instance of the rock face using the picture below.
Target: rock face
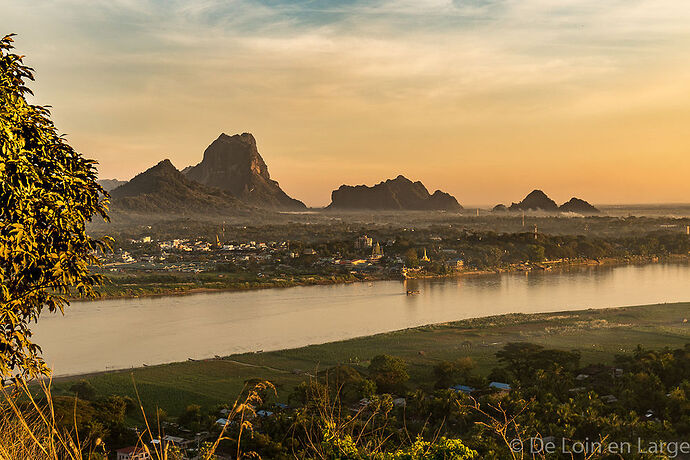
(110, 184)
(578, 206)
(164, 189)
(233, 164)
(535, 201)
(394, 194)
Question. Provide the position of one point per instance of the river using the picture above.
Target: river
(122, 333)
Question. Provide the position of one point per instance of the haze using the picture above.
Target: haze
(484, 99)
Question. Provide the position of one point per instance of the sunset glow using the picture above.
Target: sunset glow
(485, 99)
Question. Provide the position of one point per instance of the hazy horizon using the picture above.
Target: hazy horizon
(484, 99)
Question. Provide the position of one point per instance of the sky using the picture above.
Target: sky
(484, 99)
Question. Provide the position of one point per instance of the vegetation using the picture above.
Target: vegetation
(232, 258)
(599, 335)
(562, 390)
(47, 194)
(496, 388)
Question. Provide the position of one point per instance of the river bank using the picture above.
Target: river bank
(224, 282)
(125, 333)
(599, 335)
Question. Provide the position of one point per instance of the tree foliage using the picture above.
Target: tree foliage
(48, 192)
(389, 373)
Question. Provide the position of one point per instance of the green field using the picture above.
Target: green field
(598, 334)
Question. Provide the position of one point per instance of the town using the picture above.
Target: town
(180, 256)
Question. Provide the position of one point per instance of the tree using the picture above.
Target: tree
(191, 418)
(48, 192)
(449, 373)
(83, 390)
(411, 258)
(389, 373)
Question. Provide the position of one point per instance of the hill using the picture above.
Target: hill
(579, 206)
(535, 201)
(110, 184)
(233, 164)
(394, 194)
(164, 189)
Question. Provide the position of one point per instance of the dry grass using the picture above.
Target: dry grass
(29, 428)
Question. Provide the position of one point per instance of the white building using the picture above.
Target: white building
(132, 453)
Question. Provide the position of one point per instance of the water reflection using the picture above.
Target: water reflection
(94, 336)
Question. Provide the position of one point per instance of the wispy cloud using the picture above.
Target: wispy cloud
(148, 68)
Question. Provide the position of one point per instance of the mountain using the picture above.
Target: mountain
(578, 206)
(110, 184)
(394, 194)
(500, 208)
(164, 189)
(536, 200)
(233, 164)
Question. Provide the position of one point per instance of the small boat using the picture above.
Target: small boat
(411, 292)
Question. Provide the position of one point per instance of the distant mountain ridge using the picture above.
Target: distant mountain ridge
(164, 189)
(110, 184)
(233, 164)
(537, 200)
(393, 194)
(578, 206)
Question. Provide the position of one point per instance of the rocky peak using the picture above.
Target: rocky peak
(578, 206)
(394, 194)
(233, 164)
(164, 189)
(535, 200)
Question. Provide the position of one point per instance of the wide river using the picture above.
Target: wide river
(115, 334)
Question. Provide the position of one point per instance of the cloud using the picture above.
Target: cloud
(129, 75)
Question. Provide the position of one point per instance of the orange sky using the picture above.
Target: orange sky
(485, 99)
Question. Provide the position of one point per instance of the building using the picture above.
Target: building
(425, 258)
(376, 252)
(455, 264)
(502, 387)
(132, 453)
(364, 242)
(463, 389)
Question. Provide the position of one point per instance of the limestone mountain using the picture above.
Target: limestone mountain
(233, 164)
(578, 206)
(394, 194)
(164, 189)
(535, 201)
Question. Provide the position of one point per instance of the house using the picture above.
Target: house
(502, 387)
(174, 440)
(463, 389)
(364, 242)
(132, 453)
(455, 263)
